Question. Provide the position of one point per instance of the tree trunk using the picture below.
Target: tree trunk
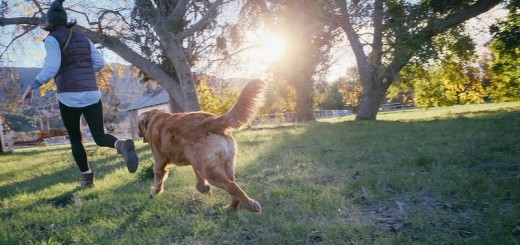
(183, 69)
(374, 92)
(304, 101)
(370, 101)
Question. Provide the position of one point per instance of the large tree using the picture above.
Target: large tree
(158, 36)
(385, 34)
(309, 41)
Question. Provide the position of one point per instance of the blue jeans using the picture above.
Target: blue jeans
(94, 116)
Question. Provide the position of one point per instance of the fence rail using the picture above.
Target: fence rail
(395, 106)
(288, 117)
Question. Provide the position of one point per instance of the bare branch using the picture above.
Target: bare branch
(353, 37)
(233, 54)
(84, 14)
(195, 27)
(107, 11)
(21, 21)
(16, 38)
(38, 5)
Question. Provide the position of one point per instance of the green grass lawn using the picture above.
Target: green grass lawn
(436, 176)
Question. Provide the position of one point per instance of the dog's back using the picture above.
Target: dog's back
(193, 125)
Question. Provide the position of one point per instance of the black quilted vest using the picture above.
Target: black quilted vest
(76, 73)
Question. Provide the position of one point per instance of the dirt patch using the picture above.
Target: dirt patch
(424, 217)
(394, 214)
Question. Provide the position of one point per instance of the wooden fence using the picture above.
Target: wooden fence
(288, 117)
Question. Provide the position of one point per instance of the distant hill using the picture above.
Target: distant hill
(23, 76)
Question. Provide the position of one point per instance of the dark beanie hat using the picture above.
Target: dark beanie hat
(56, 14)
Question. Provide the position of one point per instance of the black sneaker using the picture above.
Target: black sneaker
(127, 149)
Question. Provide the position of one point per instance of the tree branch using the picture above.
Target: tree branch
(377, 42)
(38, 5)
(458, 17)
(134, 58)
(195, 27)
(149, 12)
(16, 37)
(21, 21)
(177, 14)
(107, 11)
(353, 37)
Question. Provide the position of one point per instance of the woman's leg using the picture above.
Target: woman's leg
(94, 116)
(71, 119)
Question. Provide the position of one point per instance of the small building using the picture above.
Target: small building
(158, 99)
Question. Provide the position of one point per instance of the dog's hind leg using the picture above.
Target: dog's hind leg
(237, 194)
(160, 172)
(230, 174)
(202, 184)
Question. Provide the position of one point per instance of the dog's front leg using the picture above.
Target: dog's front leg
(160, 172)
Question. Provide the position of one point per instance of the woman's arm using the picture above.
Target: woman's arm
(97, 59)
(49, 70)
(52, 62)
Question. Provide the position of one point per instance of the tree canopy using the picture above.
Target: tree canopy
(505, 68)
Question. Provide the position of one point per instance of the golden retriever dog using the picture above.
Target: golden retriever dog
(202, 140)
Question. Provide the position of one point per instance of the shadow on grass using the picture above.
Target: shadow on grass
(70, 174)
(132, 217)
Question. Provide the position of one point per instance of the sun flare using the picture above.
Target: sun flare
(271, 48)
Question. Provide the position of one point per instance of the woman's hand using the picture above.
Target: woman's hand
(27, 96)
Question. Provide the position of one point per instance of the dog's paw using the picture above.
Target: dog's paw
(154, 191)
(203, 188)
(253, 206)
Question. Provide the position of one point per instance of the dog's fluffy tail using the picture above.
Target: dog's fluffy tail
(250, 99)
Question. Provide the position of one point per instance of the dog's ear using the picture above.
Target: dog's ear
(143, 126)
